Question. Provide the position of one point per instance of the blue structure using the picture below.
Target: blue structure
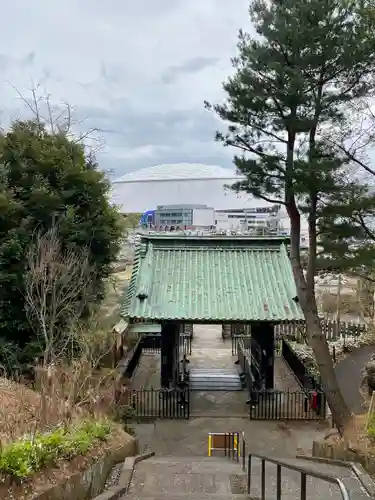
(148, 218)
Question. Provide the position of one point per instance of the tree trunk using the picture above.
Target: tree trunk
(316, 339)
(318, 343)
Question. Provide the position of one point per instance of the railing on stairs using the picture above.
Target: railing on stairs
(304, 473)
(233, 446)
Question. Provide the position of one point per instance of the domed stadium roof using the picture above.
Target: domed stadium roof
(178, 184)
(178, 171)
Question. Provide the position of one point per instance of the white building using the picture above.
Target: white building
(196, 184)
(179, 184)
(258, 219)
(184, 216)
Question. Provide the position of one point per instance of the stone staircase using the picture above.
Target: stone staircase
(215, 379)
(209, 478)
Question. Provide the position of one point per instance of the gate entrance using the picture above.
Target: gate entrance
(241, 282)
(216, 388)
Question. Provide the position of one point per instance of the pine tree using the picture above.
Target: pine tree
(292, 82)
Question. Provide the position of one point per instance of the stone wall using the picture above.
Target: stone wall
(343, 451)
(87, 484)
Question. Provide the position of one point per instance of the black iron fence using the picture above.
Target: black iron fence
(151, 343)
(310, 384)
(245, 339)
(185, 344)
(245, 366)
(307, 404)
(287, 405)
(333, 330)
(187, 329)
(151, 404)
(239, 329)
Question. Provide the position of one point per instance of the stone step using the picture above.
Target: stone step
(214, 379)
(184, 459)
(194, 468)
(200, 478)
(149, 481)
(186, 463)
(190, 496)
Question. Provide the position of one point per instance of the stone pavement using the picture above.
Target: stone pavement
(350, 373)
(198, 478)
(208, 348)
(209, 351)
(274, 438)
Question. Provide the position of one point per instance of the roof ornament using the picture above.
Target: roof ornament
(142, 295)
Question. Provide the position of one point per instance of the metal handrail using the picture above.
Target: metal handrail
(303, 471)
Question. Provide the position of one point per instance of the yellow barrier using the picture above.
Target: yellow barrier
(218, 441)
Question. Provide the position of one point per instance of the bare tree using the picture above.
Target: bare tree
(60, 119)
(59, 285)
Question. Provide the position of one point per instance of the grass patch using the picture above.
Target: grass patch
(26, 456)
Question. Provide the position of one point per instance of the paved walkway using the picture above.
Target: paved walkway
(209, 351)
(274, 438)
(147, 374)
(208, 348)
(350, 372)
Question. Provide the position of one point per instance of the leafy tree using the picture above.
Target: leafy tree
(292, 82)
(47, 180)
(131, 220)
(347, 236)
(347, 240)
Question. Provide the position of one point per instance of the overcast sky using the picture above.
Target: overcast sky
(139, 71)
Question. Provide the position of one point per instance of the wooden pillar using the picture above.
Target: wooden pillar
(263, 334)
(177, 354)
(169, 350)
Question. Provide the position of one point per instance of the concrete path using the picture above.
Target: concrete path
(208, 348)
(209, 351)
(274, 438)
(181, 476)
(350, 372)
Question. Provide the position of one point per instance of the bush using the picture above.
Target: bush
(47, 179)
(26, 456)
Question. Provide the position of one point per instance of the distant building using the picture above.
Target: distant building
(256, 220)
(184, 216)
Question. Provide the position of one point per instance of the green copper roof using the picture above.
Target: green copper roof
(211, 279)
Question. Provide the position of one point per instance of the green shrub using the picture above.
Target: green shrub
(25, 456)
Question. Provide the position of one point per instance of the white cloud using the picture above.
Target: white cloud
(148, 63)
